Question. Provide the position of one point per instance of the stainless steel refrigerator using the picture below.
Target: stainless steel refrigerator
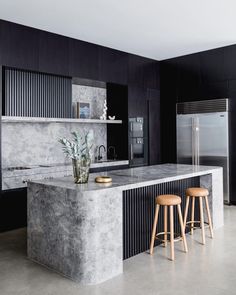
(203, 135)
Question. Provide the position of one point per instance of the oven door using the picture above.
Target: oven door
(137, 154)
(136, 129)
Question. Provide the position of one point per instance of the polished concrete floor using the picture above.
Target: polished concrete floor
(209, 269)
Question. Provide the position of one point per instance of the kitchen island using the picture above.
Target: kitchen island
(85, 231)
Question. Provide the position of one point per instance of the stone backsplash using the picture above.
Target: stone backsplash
(26, 144)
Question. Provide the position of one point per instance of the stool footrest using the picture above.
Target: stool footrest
(189, 224)
(176, 239)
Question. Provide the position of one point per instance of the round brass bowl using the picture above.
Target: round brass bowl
(103, 179)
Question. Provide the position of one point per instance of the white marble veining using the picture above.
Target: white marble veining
(93, 95)
(37, 144)
(77, 229)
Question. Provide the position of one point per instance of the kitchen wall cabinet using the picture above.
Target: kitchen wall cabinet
(154, 122)
(212, 65)
(117, 134)
(53, 53)
(19, 46)
(113, 66)
(137, 105)
(83, 60)
(13, 209)
(143, 72)
(145, 102)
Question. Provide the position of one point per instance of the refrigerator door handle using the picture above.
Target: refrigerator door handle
(193, 141)
(131, 152)
(197, 141)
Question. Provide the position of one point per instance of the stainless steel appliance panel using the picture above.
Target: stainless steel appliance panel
(137, 142)
(203, 139)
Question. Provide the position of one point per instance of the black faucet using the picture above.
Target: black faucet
(99, 152)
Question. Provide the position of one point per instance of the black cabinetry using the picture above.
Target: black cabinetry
(13, 209)
(19, 46)
(117, 134)
(145, 103)
(143, 72)
(83, 60)
(113, 65)
(53, 53)
(154, 122)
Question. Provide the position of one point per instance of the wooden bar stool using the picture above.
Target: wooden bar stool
(200, 193)
(168, 201)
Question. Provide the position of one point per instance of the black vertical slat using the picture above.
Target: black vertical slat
(138, 214)
(36, 94)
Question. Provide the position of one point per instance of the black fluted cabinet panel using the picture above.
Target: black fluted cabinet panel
(33, 94)
(138, 213)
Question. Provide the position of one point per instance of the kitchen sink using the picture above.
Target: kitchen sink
(17, 168)
(46, 166)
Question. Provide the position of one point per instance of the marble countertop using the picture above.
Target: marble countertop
(133, 177)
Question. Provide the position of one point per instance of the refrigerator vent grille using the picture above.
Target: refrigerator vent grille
(205, 106)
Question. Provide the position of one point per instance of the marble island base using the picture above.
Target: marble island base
(85, 231)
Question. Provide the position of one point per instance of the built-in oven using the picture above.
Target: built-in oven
(137, 142)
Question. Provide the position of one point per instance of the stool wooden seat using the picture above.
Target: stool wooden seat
(200, 193)
(168, 201)
(197, 192)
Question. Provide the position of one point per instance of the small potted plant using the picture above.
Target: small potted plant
(78, 149)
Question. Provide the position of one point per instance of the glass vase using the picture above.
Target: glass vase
(81, 170)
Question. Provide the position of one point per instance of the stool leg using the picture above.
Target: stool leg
(165, 225)
(186, 211)
(172, 253)
(182, 228)
(209, 216)
(154, 229)
(192, 214)
(202, 221)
